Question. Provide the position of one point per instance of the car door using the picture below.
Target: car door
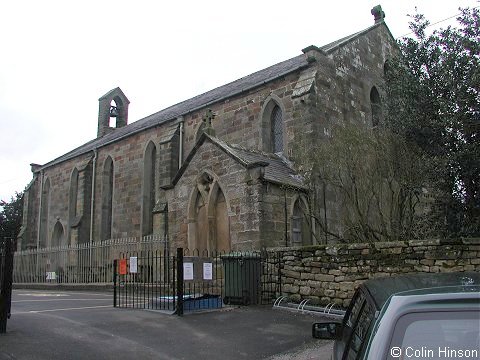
(357, 323)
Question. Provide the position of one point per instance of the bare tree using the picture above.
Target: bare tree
(365, 185)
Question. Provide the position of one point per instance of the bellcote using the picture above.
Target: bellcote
(112, 111)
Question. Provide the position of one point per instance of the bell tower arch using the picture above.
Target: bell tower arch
(112, 109)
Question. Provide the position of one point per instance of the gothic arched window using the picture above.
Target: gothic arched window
(107, 199)
(301, 234)
(72, 200)
(149, 188)
(276, 122)
(58, 234)
(272, 125)
(44, 214)
(376, 106)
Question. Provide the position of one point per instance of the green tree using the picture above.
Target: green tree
(433, 101)
(11, 216)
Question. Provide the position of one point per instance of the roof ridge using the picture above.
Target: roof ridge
(255, 151)
(219, 87)
(337, 43)
(195, 103)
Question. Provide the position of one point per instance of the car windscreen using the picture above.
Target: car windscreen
(436, 335)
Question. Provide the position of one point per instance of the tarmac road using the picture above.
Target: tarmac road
(84, 325)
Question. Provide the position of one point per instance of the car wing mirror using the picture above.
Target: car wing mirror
(327, 331)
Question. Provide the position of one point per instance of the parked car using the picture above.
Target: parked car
(418, 316)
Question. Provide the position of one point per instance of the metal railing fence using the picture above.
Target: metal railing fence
(195, 280)
(88, 263)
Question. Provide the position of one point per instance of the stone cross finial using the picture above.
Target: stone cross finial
(207, 119)
(378, 13)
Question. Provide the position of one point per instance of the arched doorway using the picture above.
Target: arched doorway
(58, 235)
(300, 224)
(209, 226)
(57, 263)
(201, 242)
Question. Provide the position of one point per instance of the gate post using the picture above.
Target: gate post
(6, 285)
(115, 283)
(179, 281)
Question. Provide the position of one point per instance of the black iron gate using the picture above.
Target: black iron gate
(6, 271)
(195, 280)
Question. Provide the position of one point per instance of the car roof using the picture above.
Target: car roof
(382, 289)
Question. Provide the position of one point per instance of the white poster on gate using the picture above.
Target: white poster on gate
(207, 271)
(188, 271)
(133, 264)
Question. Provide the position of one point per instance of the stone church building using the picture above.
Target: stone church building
(216, 171)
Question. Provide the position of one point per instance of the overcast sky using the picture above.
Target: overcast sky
(58, 57)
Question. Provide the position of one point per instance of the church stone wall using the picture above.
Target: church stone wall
(360, 66)
(344, 96)
(256, 210)
(238, 119)
(59, 177)
(127, 156)
(240, 191)
(31, 202)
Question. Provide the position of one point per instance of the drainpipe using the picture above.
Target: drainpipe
(166, 227)
(39, 222)
(286, 215)
(92, 199)
(180, 150)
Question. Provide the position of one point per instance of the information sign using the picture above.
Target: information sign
(207, 271)
(188, 271)
(122, 266)
(133, 264)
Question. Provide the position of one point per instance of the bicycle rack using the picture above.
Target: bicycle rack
(327, 311)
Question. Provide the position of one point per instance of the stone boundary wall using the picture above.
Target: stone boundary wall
(330, 273)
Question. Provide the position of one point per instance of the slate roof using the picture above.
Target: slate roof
(277, 169)
(203, 100)
(200, 101)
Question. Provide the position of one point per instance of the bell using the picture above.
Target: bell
(114, 111)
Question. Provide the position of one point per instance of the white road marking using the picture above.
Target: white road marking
(66, 309)
(42, 294)
(20, 301)
(19, 293)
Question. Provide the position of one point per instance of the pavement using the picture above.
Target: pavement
(49, 324)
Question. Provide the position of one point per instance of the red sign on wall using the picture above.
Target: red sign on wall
(122, 266)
